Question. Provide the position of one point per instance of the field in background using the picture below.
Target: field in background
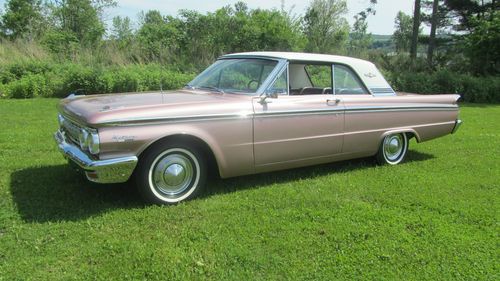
(433, 217)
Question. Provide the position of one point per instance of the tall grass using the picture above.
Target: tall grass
(12, 51)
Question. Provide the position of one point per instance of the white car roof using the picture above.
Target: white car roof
(366, 70)
(293, 56)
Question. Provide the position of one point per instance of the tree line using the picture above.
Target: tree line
(464, 35)
(461, 30)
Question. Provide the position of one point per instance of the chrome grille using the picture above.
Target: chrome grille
(71, 129)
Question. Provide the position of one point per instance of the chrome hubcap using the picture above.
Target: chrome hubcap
(393, 147)
(173, 174)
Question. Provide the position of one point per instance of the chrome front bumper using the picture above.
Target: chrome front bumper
(114, 170)
(458, 123)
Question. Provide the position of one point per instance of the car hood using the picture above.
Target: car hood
(98, 110)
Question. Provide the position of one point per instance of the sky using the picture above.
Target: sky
(381, 23)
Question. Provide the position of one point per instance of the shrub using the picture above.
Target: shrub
(29, 86)
(19, 69)
(472, 89)
(33, 79)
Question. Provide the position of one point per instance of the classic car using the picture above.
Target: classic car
(248, 113)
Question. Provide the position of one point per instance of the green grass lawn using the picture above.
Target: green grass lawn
(435, 217)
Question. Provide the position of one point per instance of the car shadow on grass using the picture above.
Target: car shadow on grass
(220, 186)
(58, 193)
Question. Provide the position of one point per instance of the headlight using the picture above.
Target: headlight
(94, 143)
(89, 141)
(84, 139)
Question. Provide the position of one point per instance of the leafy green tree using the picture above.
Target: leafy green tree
(468, 12)
(22, 19)
(325, 27)
(197, 39)
(403, 32)
(158, 36)
(122, 29)
(81, 18)
(360, 39)
(482, 45)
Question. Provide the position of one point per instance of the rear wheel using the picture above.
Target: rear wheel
(393, 149)
(171, 173)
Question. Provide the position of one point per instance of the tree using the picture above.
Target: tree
(482, 45)
(415, 31)
(439, 18)
(325, 27)
(121, 30)
(468, 12)
(360, 39)
(159, 36)
(81, 18)
(432, 36)
(22, 19)
(403, 32)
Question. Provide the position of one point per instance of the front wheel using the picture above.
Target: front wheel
(170, 173)
(393, 149)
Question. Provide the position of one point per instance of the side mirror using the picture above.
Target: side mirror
(272, 94)
(268, 94)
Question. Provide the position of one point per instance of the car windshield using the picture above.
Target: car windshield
(234, 75)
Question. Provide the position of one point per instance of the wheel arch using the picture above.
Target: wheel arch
(410, 133)
(213, 163)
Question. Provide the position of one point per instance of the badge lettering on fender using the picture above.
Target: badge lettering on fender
(123, 138)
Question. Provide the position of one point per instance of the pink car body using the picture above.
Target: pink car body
(252, 133)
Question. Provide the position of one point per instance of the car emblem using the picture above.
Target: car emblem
(370, 75)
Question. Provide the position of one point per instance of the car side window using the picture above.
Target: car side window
(310, 78)
(280, 85)
(320, 75)
(346, 82)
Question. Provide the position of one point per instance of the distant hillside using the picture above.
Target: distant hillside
(377, 37)
(382, 42)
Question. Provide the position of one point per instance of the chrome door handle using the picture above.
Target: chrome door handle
(334, 101)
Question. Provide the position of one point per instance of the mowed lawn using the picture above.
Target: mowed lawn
(435, 217)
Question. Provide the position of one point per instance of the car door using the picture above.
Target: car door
(363, 128)
(296, 128)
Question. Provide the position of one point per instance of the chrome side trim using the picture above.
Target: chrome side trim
(357, 109)
(458, 123)
(176, 119)
(244, 115)
(115, 170)
(298, 112)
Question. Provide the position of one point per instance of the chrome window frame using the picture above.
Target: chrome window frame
(273, 76)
